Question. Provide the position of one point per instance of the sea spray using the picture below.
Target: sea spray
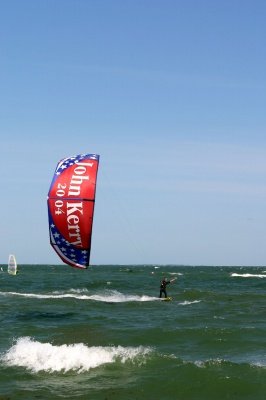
(36, 356)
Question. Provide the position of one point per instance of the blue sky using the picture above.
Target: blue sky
(172, 96)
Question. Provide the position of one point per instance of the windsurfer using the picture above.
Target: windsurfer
(163, 285)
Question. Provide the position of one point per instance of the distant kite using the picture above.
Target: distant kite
(71, 200)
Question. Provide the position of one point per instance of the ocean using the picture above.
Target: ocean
(104, 334)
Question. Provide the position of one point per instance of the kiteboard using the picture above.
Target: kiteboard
(167, 299)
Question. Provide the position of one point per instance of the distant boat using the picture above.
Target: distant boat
(12, 265)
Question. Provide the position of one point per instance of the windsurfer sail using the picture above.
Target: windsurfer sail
(12, 265)
(71, 200)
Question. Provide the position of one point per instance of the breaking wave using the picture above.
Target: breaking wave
(36, 356)
(233, 274)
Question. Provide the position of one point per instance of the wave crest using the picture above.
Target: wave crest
(36, 356)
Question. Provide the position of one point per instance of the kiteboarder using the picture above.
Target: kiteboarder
(163, 285)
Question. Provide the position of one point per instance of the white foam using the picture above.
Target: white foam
(113, 296)
(186, 302)
(108, 296)
(248, 275)
(46, 296)
(36, 356)
(219, 361)
(205, 363)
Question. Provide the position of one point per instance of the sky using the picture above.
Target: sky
(171, 94)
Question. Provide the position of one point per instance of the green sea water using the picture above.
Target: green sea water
(103, 333)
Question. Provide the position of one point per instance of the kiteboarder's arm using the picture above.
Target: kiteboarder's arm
(171, 280)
